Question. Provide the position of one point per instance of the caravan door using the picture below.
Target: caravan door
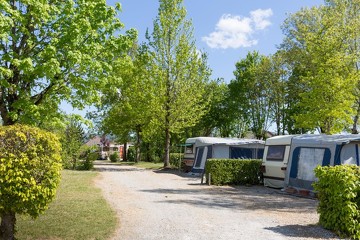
(200, 159)
(274, 165)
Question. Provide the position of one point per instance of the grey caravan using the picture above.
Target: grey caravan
(220, 148)
(309, 151)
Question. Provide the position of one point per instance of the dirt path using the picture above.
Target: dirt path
(171, 205)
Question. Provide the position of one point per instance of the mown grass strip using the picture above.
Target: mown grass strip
(78, 212)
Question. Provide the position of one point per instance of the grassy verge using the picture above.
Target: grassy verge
(78, 212)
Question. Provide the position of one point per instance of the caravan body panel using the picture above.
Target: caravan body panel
(309, 151)
(275, 160)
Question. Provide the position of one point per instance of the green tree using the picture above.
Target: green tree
(181, 72)
(130, 108)
(55, 50)
(221, 119)
(250, 92)
(327, 69)
(72, 140)
(30, 165)
(276, 72)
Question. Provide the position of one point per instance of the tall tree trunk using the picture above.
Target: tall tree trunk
(137, 147)
(148, 155)
(7, 227)
(356, 119)
(125, 152)
(167, 148)
(167, 118)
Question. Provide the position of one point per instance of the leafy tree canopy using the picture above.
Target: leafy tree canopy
(56, 50)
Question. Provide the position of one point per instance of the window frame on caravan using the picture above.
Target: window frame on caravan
(271, 158)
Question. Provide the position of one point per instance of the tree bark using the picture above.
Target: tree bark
(167, 149)
(356, 119)
(125, 152)
(7, 227)
(137, 147)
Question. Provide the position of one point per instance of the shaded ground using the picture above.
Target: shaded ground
(173, 205)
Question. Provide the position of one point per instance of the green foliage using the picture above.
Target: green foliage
(233, 171)
(175, 159)
(114, 157)
(321, 43)
(180, 73)
(86, 158)
(250, 92)
(338, 190)
(131, 154)
(56, 50)
(222, 119)
(30, 167)
(72, 140)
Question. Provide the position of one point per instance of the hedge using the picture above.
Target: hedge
(233, 171)
(338, 190)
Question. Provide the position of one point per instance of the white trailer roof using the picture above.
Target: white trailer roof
(322, 138)
(204, 141)
(312, 139)
(280, 140)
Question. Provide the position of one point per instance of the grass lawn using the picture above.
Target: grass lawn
(78, 212)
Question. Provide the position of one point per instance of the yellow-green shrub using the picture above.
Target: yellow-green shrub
(233, 171)
(338, 191)
(30, 165)
(175, 159)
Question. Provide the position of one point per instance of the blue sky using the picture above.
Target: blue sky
(226, 30)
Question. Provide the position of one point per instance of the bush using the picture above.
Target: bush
(233, 171)
(86, 158)
(30, 165)
(175, 159)
(131, 154)
(338, 190)
(114, 157)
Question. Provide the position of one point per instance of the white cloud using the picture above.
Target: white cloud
(235, 31)
(260, 18)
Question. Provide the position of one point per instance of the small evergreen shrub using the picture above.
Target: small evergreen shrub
(233, 171)
(338, 191)
(87, 157)
(175, 159)
(131, 154)
(114, 157)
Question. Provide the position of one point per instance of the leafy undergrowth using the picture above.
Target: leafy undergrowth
(78, 212)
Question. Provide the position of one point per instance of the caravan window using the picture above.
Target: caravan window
(309, 158)
(242, 153)
(189, 148)
(275, 153)
(350, 154)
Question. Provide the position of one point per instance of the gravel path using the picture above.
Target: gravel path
(172, 205)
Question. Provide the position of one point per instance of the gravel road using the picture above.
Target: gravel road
(173, 205)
